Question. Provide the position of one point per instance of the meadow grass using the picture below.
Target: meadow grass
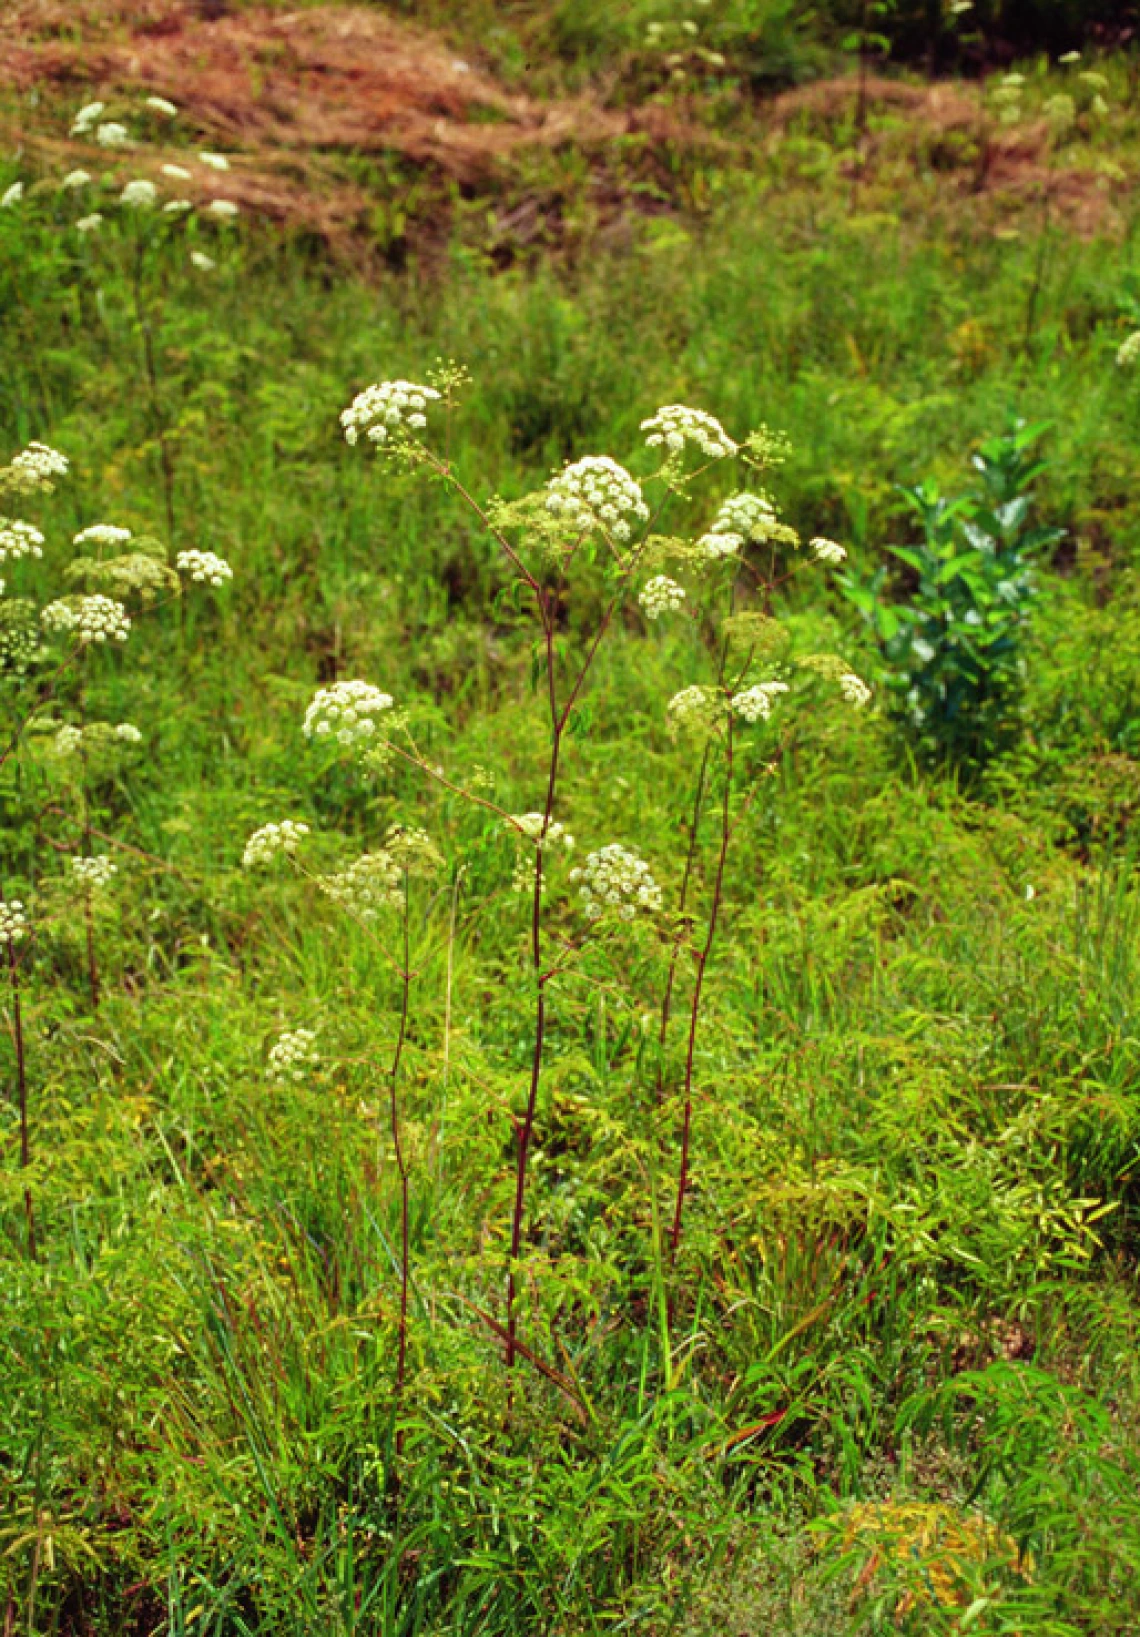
(889, 1381)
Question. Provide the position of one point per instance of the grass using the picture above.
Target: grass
(900, 1332)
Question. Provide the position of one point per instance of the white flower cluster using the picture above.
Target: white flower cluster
(203, 263)
(293, 1055)
(177, 173)
(597, 493)
(160, 105)
(215, 161)
(68, 740)
(76, 179)
(854, 690)
(224, 210)
(616, 878)
(748, 515)
(140, 194)
(676, 425)
(206, 567)
(19, 539)
(346, 712)
(1128, 353)
(38, 465)
(530, 824)
(93, 873)
(11, 196)
(177, 207)
(102, 534)
(755, 704)
(385, 407)
(86, 118)
(661, 595)
(827, 551)
(13, 923)
(88, 224)
(128, 733)
(372, 883)
(264, 845)
(695, 709)
(715, 546)
(92, 619)
(112, 135)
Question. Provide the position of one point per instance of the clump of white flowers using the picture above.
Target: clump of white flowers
(203, 263)
(676, 425)
(112, 135)
(128, 733)
(140, 194)
(386, 407)
(373, 883)
(19, 539)
(347, 712)
(1128, 353)
(13, 923)
(270, 840)
(719, 544)
(76, 179)
(92, 619)
(530, 825)
(596, 493)
(94, 872)
(749, 515)
(755, 704)
(12, 195)
(827, 551)
(696, 709)
(102, 534)
(616, 878)
(86, 118)
(36, 468)
(68, 740)
(294, 1055)
(177, 207)
(854, 689)
(160, 105)
(661, 595)
(206, 567)
(88, 224)
(177, 173)
(215, 161)
(833, 669)
(223, 209)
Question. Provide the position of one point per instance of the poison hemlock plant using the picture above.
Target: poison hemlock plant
(952, 634)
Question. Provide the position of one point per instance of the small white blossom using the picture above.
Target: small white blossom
(112, 135)
(92, 619)
(346, 712)
(827, 551)
(102, 534)
(372, 883)
(294, 1055)
(12, 195)
(746, 515)
(93, 873)
(76, 179)
(200, 260)
(216, 161)
(854, 689)
(384, 407)
(177, 173)
(1128, 353)
(140, 194)
(755, 704)
(128, 733)
(177, 207)
(38, 466)
(19, 539)
(616, 878)
(86, 118)
(223, 209)
(88, 224)
(206, 567)
(13, 923)
(661, 595)
(68, 740)
(675, 425)
(695, 709)
(265, 844)
(530, 825)
(715, 546)
(160, 105)
(595, 493)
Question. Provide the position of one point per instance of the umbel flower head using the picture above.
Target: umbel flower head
(13, 923)
(1128, 353)
(102, 534)
(615, 878)
(755, 704)
(92, 619)
(294, 1055)
(271, 841)
(387, 407)
(371, 884)
(140, 194)
(112, 135)
(93, 873)
(35, 469)
(206, 567)
(661, 595)
(346, 712)
(530, 827)
(676, 425)
(595, 494)
(86, 117)
(827, 551)
(749, 515)
(696, 710)
(19, 539)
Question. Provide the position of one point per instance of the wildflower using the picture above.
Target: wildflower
(854, 690)
(112, 135)
(37, 465)
(264, 845)
(696, 709)
(346, 712)
(749, 515)
(86, 117)
(128, 733)
(101, 534)
(755, 704)
(216, 161)
(385, 407)
(294, 1055)
(76, 179)
(1128, 352)
(19, 539)
(12, 195)
(596, 493)
(714, 546)
(93, 873)
(200, 260)
(827, 551)
(177, 207)
(160, 105)
(223, 209)
(92, 619)
(13, 923)
(88, 224)
(616, 878)
(139, 194)
(412, 849)
(374, 882)
(68, 740)
(177, 173)
(531, 827)
(206, 567)
(676, 425)
(661, 595)
(19, 635)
